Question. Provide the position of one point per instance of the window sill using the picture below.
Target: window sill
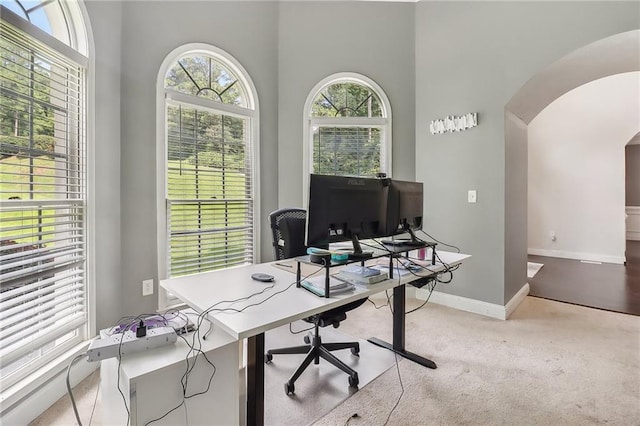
(13, 400)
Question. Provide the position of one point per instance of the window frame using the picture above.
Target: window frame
(163, 96)
(80, 51)
(384, 123)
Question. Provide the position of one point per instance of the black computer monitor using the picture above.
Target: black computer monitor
(343, 208)
(404, 210)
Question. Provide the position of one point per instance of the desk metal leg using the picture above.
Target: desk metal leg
(399, 329)
(255, 380)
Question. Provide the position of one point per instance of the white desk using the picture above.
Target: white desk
(151, 384)
(202, 291)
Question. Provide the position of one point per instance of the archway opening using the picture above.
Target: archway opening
(611, 56)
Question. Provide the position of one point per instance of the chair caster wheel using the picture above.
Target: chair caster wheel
(355, 351)
(267, 358)
(353, 381)
(289, 388)
(307, 340)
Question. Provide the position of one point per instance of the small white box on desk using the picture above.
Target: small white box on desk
(151, 384)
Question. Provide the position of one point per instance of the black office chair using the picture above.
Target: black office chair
(288, 227)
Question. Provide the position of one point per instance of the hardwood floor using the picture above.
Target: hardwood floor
(606, 286)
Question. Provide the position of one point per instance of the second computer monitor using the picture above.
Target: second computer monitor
(404, 208)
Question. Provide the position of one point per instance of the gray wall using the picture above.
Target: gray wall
(632, 175)
(473, 57)
(318, 39)
(432, 59)
(150, 31)
(106, 23)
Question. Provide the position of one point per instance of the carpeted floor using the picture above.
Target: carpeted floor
(550, 364)
(321, 387)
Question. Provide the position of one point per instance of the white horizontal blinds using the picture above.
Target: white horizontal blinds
(348, 126)
(42, 189)
(209, 196)
(351, 151)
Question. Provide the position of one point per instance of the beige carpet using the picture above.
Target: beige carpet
(550, 364)
(321, 387)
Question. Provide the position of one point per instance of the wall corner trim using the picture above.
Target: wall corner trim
(516, 300)
(490, 310)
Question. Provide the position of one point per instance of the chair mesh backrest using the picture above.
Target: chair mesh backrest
(277, 219)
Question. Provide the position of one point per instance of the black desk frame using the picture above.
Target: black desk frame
(256, 350)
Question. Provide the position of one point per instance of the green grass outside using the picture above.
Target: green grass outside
(214, 251)
(14, 183)
(217, 250)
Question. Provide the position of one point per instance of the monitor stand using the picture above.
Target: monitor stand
(358, 254)
(405, 242)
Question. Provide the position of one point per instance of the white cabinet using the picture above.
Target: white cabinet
(151, 384)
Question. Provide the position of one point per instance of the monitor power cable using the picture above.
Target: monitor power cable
(401, 393)
(440, 242)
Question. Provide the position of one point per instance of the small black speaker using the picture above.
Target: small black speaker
(322, 259)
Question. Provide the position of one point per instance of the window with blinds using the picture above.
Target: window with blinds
(349, 128)
(43, 201)
(351, 151)
(209, 188)
(209, 200)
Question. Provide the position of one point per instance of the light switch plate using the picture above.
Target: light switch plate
(472, 196)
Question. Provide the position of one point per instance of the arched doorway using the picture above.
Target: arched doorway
(613, 55)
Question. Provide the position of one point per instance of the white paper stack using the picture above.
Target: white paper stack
(317, 285)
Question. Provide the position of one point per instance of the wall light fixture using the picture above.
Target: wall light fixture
(453, 123)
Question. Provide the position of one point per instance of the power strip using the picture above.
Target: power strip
(127, 342)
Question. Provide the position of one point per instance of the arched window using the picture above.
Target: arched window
(43, 169)
(208, 153)
(347, 128)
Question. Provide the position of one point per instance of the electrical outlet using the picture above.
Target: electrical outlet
(472, 196)
(147, 287)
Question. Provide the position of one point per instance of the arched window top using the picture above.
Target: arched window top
(348, 95)
(58, 18)
(206, 76)
(208, 156)
(347, 128)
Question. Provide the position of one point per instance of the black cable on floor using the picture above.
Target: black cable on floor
(69, 391)
(401, 393)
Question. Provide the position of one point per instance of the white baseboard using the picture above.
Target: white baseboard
(516, 300)
(632, 223)
(577, 256)
(491, 310)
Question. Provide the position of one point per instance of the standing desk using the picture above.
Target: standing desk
(268, 310)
